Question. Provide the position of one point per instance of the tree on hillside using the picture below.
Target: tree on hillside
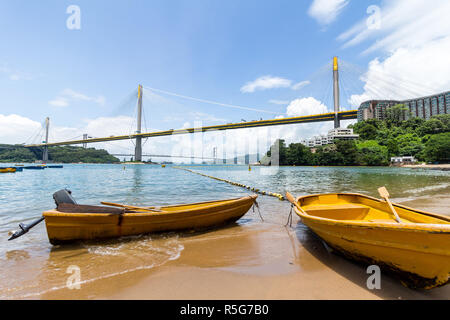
(392, 146)
(437, 148)
(367, 132)
(396, 114)
(409, 145)
(372, 154)
(348, 151)
(298, 154)
(437, 124)
(328, 156)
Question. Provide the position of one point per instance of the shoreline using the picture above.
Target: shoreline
(443, 167)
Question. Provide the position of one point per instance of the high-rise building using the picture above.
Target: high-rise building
(424, 107)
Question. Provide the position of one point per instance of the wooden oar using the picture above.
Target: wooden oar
(130, 207)
(385, 195)
(291, 199)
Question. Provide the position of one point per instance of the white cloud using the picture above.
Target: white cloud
(17, 129)
(20, 76)
(408, 73)
(326, 11)
(68, 95)
(404, 23)
(305, 107)
(206, 117)
(300, 85)
(270, 82)
(59, 102)
(279, 102)
(15, 75)
(264, 83)
(416, 39)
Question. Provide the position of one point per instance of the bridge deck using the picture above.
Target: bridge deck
(343, 115)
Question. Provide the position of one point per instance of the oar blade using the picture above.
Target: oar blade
(383, 192)
(290, 197)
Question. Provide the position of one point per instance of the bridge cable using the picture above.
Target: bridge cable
(210, 102)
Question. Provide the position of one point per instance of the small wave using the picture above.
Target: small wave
(173, 252)
(428, 188)
(105, 251)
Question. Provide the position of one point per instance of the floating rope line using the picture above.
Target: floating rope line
(255, 190)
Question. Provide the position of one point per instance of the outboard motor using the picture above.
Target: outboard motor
(60, 197)
(63, 196)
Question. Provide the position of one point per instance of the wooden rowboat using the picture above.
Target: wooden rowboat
(363, 228)
(71, 222)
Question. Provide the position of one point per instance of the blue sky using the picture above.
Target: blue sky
(198, 48)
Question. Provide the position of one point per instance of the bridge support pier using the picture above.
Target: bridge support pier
(45, 153)
(257, 147)
(247, 147)
(224, 146)
(138, 147)
(85, 136)
(235, 159)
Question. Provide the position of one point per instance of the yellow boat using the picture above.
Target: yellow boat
(71, 222)
(6, 170)
(363, 228)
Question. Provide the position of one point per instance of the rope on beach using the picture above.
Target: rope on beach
(289, 220)
(255, 190)
(255, 204)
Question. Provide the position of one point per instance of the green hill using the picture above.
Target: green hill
(66, 154)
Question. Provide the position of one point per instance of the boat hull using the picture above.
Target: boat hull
(418, 253)
(68, 227)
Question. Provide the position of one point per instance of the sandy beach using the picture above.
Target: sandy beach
(259, 261)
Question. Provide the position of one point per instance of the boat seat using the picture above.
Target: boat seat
(79, 208)
(344, 211)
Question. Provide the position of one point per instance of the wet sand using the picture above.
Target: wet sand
(290, 268)
(256, 261)
(445, 166)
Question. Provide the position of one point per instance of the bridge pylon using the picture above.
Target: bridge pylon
(45, 153)
(138, 147)
(336, 92)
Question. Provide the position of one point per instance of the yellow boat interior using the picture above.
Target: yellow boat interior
(133, 210)
(361, 208)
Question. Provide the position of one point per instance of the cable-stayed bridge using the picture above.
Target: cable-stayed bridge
(335, 116)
